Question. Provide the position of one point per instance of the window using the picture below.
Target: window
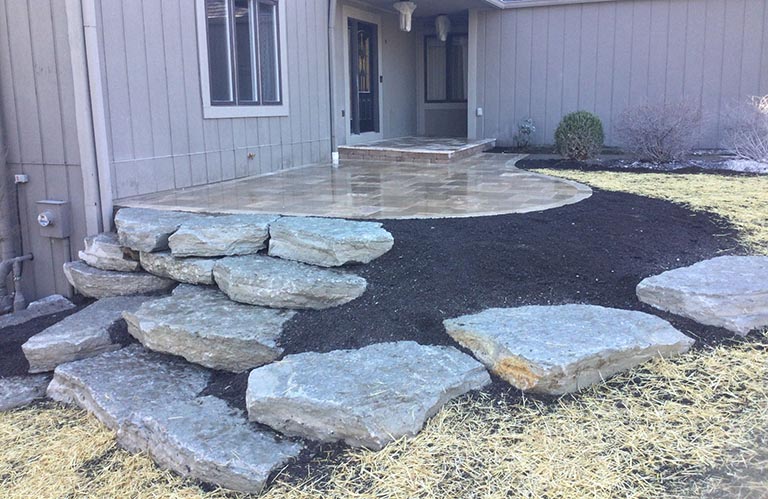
(446, 68)
(240, 58)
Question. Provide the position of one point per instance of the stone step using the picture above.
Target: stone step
(104, 251)
(18, 391)
(328, 242)
(191, 270)
(367, 397)
(96, 283)
(561, 349)
(83, 334)
(205, 327)
(45, 306)
(151, 401)
(276, 283)
(144, 229)
(225, 235)
(728, 291)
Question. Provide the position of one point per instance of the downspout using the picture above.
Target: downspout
(331, 77)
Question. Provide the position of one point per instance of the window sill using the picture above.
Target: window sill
(220, 112)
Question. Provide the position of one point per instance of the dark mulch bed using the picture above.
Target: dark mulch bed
(616, 165)
(595, 252)
(12, 360)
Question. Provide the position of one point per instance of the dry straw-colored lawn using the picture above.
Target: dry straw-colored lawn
(694, 426)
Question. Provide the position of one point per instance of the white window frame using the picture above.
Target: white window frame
(216, 112)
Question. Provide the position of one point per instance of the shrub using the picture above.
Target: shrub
(746, 129)
(660, 133)
(579, 136)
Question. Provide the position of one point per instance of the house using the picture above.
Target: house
(106, 99)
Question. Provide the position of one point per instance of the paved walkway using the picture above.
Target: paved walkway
(486, 184)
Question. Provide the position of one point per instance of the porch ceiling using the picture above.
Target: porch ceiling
(431, 8)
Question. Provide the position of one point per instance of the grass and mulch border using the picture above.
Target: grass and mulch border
(691, 426)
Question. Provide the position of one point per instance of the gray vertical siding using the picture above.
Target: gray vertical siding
(603, 57)
(158, 137)
(37, 112)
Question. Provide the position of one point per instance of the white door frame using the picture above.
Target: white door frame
(362, 15)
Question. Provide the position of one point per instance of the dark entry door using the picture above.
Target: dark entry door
(363, 76)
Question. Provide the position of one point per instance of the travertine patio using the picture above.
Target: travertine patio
(484, 184)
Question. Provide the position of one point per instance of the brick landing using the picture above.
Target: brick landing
(417, 149)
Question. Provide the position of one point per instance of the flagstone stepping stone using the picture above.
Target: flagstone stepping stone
(104, 252)
(144, 229)
(728, 291)
(18, 391)
(97, 283)
(272, 282)
(561, 349)
(45, 306)
(367, 397)
(151, 401)
(207, 328)
(225, 235)
(328, 242)
(83, 334)
(189, 270)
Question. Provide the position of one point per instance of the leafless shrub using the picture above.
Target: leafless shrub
(746, 129)
(660, 133)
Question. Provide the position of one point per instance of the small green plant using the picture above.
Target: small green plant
(579, 136)
(525, 129)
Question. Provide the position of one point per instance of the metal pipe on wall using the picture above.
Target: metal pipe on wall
(332, 75)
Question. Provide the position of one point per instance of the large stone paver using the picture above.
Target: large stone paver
(561, 349)
(45, 306)
(148, 230)
(18, 391)
(187, 270)
(727, 291)
(272, 282)
(97, 283)
(207, 328)
(225, 235)
(105, 252)
(151, 402)
(328, 242)
(367, 397)
(83, 334)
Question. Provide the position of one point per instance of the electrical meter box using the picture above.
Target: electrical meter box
(53, 217)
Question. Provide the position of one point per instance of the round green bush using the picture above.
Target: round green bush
(579, 136)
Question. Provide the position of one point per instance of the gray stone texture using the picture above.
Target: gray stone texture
(45, 306)
(367, 397)
(151, 402)
(562, 349)
(144, 229)
(97, 283)
(225, 235)
(18, 391)
(727, 291)
(207, 328)
(188, 270)
(81, 335)
(328, 242)
(104, 252)
(272, 282)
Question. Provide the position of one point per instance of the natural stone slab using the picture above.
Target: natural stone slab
(104, 252)
(561, 349)
(97, 283)
(727, 291)
(45, 306)
(188, 270)
(18, 391)
(150, 401)
(144, 229)
(328, 242)
(225, 235)
(81, 335)
(207, 328)
(271, 282)
(367, 397)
